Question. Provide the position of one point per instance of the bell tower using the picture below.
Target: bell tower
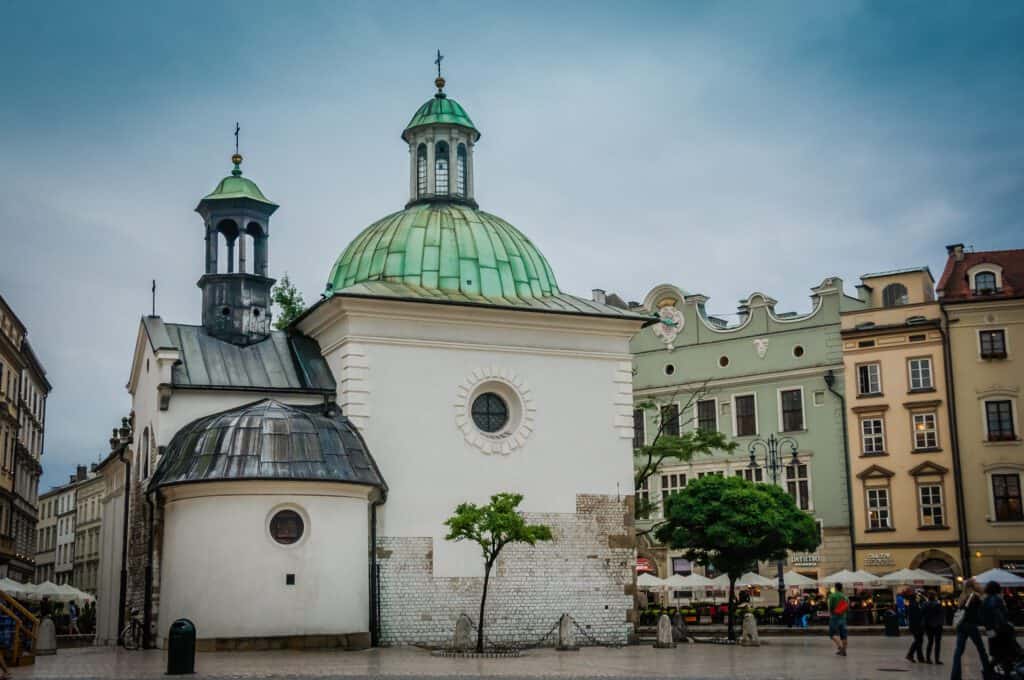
(236, 289)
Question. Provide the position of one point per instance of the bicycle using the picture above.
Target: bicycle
(131, 635)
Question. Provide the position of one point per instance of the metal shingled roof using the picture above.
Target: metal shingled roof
(269, 440)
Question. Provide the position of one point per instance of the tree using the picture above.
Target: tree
(731, 523)
(682, 448)
(492, 527)
(289, 300)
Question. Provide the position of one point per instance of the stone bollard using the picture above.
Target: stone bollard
(46, 638)
(664, 633)
(679, 630)
(566, 635)
(749, 633)
(464, 641)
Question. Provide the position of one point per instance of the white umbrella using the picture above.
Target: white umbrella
(903, 577)
(849, 578)
(51, 590)
(15, 589)
(927, 578)
(721, 582)
(752, 579)
(650, 581)
(1004, 578)
(691, 582)
(794, 579)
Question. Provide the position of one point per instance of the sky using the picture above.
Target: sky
(723, 147)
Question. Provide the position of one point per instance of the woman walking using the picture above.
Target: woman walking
(967, 622)
(915, 622)
(1002, 640)
(934, 620)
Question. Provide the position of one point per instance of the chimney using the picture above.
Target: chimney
(598, 296)
(81, 473)
(956, 251)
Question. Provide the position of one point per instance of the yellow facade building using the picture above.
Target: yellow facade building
(902, 455)
(982, 297)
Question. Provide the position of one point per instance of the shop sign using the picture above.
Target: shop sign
(879, 559)
(643, 566)
(805, 559)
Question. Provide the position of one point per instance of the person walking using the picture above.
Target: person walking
(915, 623)
(1003, 647)
(73, 618)
(966, 623)
(838, 605)
(934, 620)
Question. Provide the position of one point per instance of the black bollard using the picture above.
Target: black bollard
(181, 648)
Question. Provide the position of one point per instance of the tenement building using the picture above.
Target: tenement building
(768, 374)
(46, 536)
(905, 463)
(89, 494)
(982, 298)
(64, 550)
(306, 474)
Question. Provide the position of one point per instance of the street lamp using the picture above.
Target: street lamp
(773, 462)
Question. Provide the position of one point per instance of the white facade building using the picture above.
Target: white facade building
(64, 555)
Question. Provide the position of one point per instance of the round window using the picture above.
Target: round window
(798, 351)
(490, 412)
(287, 527)
(723, 361)
(670, 369)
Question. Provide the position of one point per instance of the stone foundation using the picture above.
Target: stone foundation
(351, 641)
(587, 571)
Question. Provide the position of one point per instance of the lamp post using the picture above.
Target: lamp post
(773, 463)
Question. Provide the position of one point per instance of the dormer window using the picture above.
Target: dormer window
(441, 169)
(894, 294)
(985, 283)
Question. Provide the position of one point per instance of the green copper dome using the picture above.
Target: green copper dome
(441, 109)
(446, 249)
(235, 186)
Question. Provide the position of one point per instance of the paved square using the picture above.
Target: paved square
(779, 658)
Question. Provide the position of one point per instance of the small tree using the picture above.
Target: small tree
(289, 300)
(731, 523)
(492, 527)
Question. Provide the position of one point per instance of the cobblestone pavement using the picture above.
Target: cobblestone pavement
(779, 658)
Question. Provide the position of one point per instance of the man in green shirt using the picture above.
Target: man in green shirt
(837, 608)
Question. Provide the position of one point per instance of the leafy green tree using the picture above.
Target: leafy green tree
(289, 300)
(492, 527)
(731, 523)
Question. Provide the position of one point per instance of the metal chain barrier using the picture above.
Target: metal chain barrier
(539, 642)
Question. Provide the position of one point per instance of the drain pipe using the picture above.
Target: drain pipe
(374, 577)
(123, 592)
(954, 435)
(147, 615)
(830, 381)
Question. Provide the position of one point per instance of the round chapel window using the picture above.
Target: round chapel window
(490, 412)
(286, 527)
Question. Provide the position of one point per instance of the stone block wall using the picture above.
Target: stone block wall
(587, 571)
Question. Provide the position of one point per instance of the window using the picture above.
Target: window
(985, 283)
(930, 499)
(490, 412)
(894, 294)
(460, 170)
(723, 361)
(917, 337)
(792, 408)
(421, 170)
(819, 398)
(925, 433)
(993, 344)
(878, 509)
(670, 419)
(707, 418)
(1006, 497)
(869, 379)
(999, 420)
(638, 428)
(746, 415)
(287, 527)
(644, 492)
(872, 436)
(798, 351)
(798, 484)
(751, 474)
(441, 168)
(920, 373)
(670, 484)
(720, 473)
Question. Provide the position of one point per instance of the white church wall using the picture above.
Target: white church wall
(223, 571)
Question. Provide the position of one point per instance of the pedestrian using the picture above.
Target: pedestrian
(73, 618)
(838, 605)
(1002, 640)
(966, 623)
(915, 623)
(934, 620)
(901, 609)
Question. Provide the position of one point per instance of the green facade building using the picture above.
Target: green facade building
(766, 373)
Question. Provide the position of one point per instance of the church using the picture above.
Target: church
(288, 488)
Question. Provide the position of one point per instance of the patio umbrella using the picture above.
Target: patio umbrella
(73, 593)
(51, 590)
(903, 577)
(650, 581)
(794, 579)
(849, 578)
(1004, 578)
(752, 579)
(15, 589)
(691, 582)
(927, 578)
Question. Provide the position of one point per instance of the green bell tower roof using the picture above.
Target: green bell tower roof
(234, 186)
(441, 110)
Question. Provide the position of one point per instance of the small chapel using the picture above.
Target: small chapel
(290, 487)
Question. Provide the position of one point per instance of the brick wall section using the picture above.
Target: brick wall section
(138, 546)
(587, 571)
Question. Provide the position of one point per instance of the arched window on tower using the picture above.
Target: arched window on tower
(894, 294)
(441, 169)
(460, 171)
(421, 169)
